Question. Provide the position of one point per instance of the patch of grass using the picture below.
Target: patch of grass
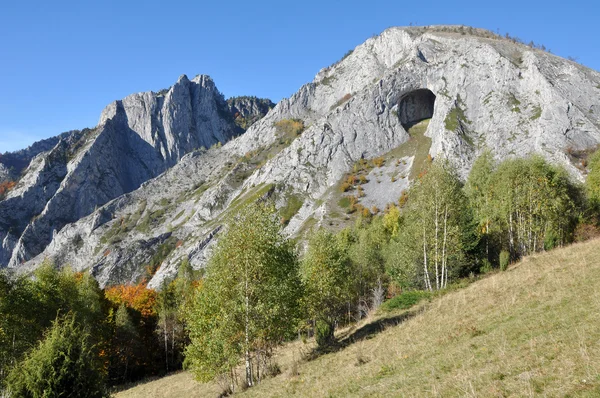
(160, 255)
(488, 97)
(151, 220)
(292, 205)
(327, 80)
(456, 116)
(244, 199)
(418, 146)
(537, 113)
(344, 202)
(514, 103)
(179, 214)
(405, 300)
(164, 202)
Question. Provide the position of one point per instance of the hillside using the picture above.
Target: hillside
(139, 190)
(530, 331)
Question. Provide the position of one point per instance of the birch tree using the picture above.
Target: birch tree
(432, 226)
(479, 191)
(327, 276)
(535, 204)
(248, 301)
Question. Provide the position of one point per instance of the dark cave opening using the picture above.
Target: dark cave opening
(415, 106)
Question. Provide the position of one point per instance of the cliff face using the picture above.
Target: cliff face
(405, 94)
(248, 110)
(137, 139)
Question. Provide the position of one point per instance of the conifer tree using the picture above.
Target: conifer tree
(64, 364)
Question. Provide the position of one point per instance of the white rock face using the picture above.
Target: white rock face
(137, 139)
(479, 91)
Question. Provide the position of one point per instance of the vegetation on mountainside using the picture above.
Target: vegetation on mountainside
(257, 294)
(530, 331)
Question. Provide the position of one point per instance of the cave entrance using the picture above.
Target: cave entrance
(415, 106)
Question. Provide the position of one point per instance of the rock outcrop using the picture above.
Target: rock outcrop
(137, 139)
(248, 110)
(466, 90)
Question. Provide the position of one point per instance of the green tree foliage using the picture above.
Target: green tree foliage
(364, 244)
(431, 245)
(64, 364)
(535, 205)
(29, 306)
(18, 326)
(327, 275)
(171, 330)
(592, 182)
(248, 301)
(125, 346)
(478, 190)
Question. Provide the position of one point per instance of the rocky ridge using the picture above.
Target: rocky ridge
(137, 139)
(475, 90)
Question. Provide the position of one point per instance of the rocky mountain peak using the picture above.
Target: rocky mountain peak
(137, 138)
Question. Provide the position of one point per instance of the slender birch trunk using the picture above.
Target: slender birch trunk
(437, 279)
(166, 333)
(247, 332)
(444, 256)
(426, 271)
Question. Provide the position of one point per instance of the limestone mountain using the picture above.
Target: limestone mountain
(137, 138)
(138, 194)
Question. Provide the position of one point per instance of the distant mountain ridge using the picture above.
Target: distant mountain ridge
(165, 171)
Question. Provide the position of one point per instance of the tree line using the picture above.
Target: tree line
(58, 329)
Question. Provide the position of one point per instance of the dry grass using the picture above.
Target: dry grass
(533, 330)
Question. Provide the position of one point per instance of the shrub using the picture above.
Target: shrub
(290, 127)
(324, 333)
(504, 260)
(64, 364)
(551, 240)
(405, 300)
(485, 267)
(5, 187)
(361, 192)
(342, 100)
(378, 162)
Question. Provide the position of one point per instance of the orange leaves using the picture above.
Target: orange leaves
(138, 297)
(6, 186)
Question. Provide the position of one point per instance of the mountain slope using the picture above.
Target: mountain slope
(137, 139)
(408, 93)
(532, 330)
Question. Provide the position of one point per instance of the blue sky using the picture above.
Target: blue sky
(61, 62)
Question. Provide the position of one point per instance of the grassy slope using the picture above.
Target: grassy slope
(531, 331)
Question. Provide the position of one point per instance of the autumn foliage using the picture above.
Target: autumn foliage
(6, 186)
(137, 297)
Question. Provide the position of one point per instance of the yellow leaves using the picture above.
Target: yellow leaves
(292, 127)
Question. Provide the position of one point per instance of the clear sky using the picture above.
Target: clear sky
(62, 61)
